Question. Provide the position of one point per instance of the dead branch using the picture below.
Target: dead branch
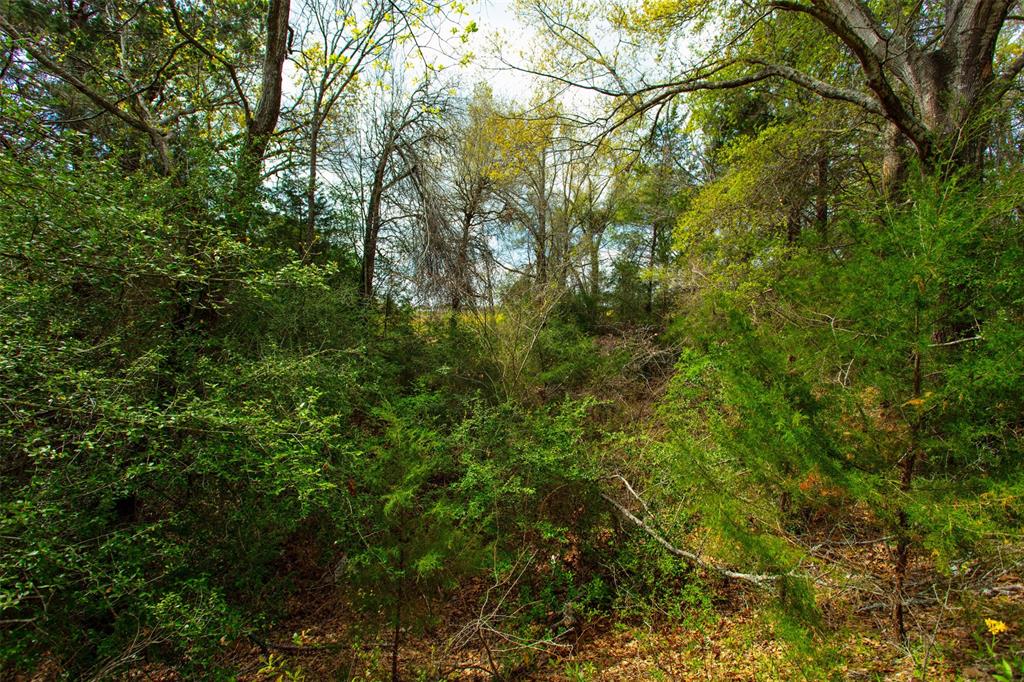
(761, 580)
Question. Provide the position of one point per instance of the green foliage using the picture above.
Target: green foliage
(566, 357)
(279, 670)
(200, 414)
(653, 585)
(181, 406)
(800, 386)
(580, 672)
(155, 465)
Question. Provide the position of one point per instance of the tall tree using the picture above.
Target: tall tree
(474, 186)
(341, 40)
(88, 63)
(400, 123)
(931, 72)
(527, 151)
(261, 121)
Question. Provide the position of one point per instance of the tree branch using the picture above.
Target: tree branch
(1006, 79)
(232, 71)
(140, 121)
(892, 51)
(853, 35)
(756, 579)
(72, 80)
(820, 87)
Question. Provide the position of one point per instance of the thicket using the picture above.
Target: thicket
(376, 340)
(868, 379)
(181, 407)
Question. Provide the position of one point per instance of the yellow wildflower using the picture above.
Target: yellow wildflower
(995, 626)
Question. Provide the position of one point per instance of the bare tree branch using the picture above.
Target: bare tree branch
(761, 580)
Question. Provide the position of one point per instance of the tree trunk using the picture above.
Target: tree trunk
(894, 162)
(309, 233)
(369, 254)
(903, 522)
(594, 253)
(793, 227)
(261, 124)
(461, 289)
(652, 260)
(372, 230)
(821, 197)
(540, 247)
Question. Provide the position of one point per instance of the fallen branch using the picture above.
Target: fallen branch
(754, 578)
(265, 646)
(1002, 590)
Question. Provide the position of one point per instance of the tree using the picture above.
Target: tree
(261, 122)
(332, 53)
(825, 377)
(340, 42)
(654, 194)
(943, 61)
(400, 123)
(526, 149)
(932, 73)
(474, 171)
(63, 48)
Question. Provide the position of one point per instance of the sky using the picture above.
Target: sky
(497, 22)
(496, 18)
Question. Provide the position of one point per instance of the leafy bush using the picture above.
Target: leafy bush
(873, 382)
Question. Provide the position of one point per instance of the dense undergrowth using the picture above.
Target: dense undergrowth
(371, 374)
(184, 411)
(180, 407)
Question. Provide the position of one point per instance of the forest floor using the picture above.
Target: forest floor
(738, 635)
(741, 638)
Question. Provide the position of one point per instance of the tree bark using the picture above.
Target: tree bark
(372, 227)
(948, 82)
(894, 161)
(461, 287)
(261, 124)
(540, 236)
(309, 232)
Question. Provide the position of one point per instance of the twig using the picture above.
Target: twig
(955, 342)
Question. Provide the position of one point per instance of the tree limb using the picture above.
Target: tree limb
(873, 66)
(232, 71)
(140, 121)
(756, 579)
(72, 80)
(820, 87)
(891, 51)
(1006, 79)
